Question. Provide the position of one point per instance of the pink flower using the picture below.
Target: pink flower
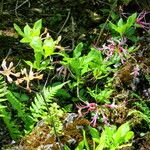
(135, 72)
(143, 24)
(105, 119)
(115, 46)
(112, 106)
(94, 119)
(91, 107)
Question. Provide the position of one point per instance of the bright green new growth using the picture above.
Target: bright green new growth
(111, 138)
(44, 108)
(42, 46)
(101, 96)
(114, 138)
(123, 27)
(92, 62)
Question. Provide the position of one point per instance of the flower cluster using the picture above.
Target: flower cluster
(139, 21)
(115, 46)
(89, 107)
(28, 77)
(93, 107)
(9, 72)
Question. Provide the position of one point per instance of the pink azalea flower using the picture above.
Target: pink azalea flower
(112, 106)
(143, 24)
(89, 107)
(105, 119)
(94, 119)
(135, 72)
(115, 46)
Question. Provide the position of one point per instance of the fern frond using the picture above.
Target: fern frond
(38, 107)
(50, 92)
(21, 109)
(11, 125)
(6, 116)
(3, 91)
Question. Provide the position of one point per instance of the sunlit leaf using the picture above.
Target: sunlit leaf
(78, 49)
(17, 28)
(37, 25)
(36, 44)
(49, 47)
(27, 30)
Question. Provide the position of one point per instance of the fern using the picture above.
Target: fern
(12, 126)
(50, 92)
(21, 109)
(39, 106)
(2, 95)
(6, 116)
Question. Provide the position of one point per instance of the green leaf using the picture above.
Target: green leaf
(37, 25)
(121, 30)
(21, 96)
(120, 22)
(121, 133)
(36, 44)
(129, 136)
(75, 67)
(38, 57)
(114, 16)
(85, 69)
(49, 47)
(44, 64)
(66, 147)
(29, 63)
(37, 28)
(25, 40)
(102, 141)
(27, 31)
(131, 20)
(80, 146)
(95, 134)
(78, 49)
(17, 28)
(85, 141)
(113, 26)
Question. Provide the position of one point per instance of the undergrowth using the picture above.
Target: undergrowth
(97, 82)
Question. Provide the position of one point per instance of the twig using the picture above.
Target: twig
(64, 23)
(73, 31)
(17, 7)
(22, 4)
(9, 52)
(101, 31)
